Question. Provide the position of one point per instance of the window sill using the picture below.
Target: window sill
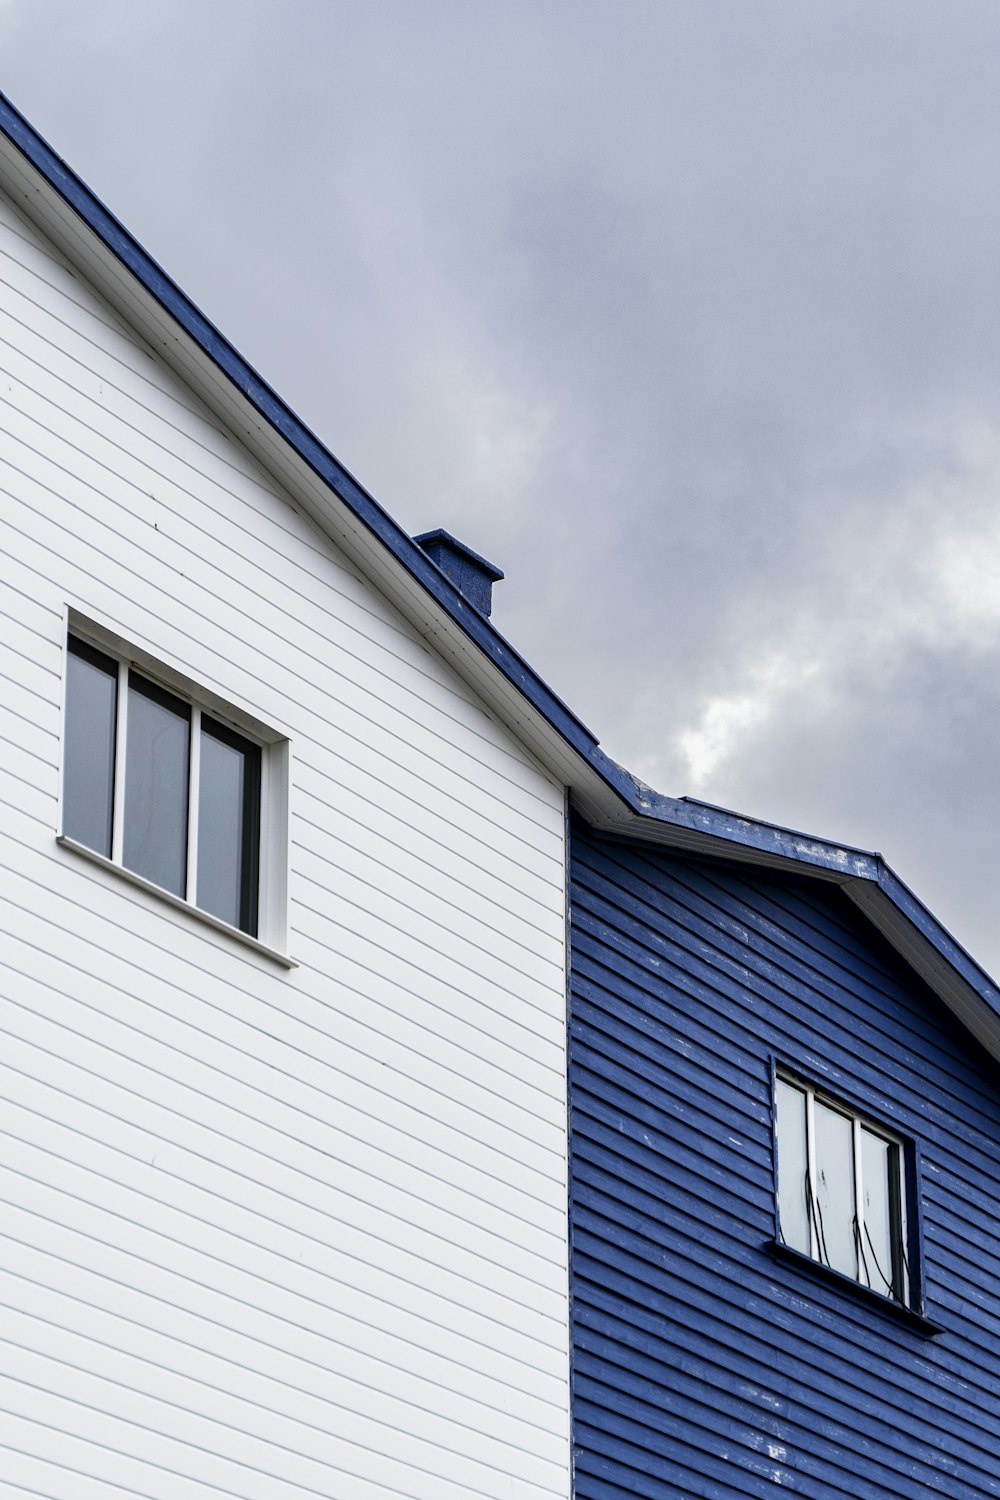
(176, 901)
(847, 1284)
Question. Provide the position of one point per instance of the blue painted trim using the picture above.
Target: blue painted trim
(754, 833)
(910, 905)
(851, 1288)
(682, 813)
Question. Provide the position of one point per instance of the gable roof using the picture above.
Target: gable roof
(88, 234)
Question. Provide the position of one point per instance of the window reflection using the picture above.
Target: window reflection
(793, 1167)
(156, 785)
(877, 1253)
(835, 1189)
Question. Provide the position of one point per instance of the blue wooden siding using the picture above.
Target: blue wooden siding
(702, 1366)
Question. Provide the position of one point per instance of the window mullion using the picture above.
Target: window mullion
(194, 782)
(265, 871)
(811, 1169)
(121, 728)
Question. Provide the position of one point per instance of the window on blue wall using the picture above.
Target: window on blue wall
(841, 1189)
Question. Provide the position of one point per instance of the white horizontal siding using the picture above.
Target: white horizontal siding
(265, 1233)
(167, 484)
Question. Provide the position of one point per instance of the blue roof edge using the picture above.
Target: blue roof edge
(770, 839)
(927, 925)
(853, 864)
(276, 412)
(684, 813)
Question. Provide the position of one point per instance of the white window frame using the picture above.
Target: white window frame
(858, 1121)
(275, 757)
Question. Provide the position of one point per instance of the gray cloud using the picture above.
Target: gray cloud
(683, 312)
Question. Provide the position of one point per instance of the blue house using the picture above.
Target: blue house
(785, 1157)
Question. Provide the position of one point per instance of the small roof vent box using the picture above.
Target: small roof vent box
(471, 574)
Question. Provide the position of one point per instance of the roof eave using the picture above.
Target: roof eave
(863, 876)
(919, 938)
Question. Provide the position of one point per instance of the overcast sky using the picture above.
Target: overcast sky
(687, 315)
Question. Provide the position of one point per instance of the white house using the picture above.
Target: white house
(282, 1065)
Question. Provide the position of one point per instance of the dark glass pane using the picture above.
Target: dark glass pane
(879, 1252)
(228, 825)
(156, 785)
(835, 1189)
(89, 770)
(793, 1202)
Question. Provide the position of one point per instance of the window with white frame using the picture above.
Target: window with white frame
(164, 786)
(841, 1189)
